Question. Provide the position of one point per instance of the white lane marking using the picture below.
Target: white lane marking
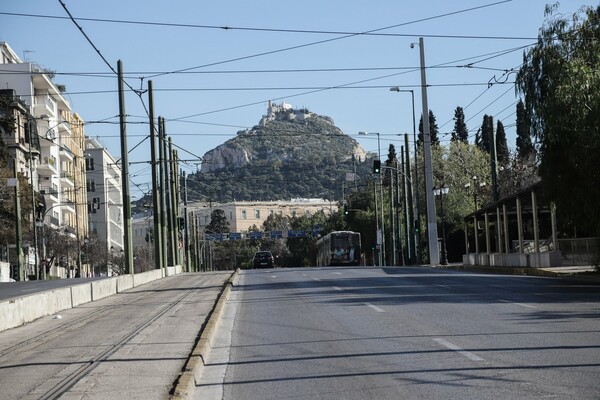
(374, 307)
(454, 347)
(336, 273)
(337, 288)
(273, 276)
(314, 279)
(518, 304)
(444, 286)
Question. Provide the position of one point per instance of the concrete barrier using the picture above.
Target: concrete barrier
(124, 282)
(104, 288)
(81, 294)
(21, 310)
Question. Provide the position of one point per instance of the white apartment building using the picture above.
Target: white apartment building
(104, 195)
(57, 169)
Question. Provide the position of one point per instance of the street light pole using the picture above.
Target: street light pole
(417, 220)
(382, 261)
(434, 257)
(442, 191)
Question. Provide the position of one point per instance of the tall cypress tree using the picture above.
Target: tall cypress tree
(486, 133)
(433, 130)
(501, 145)
(460, 132)
(524, 145)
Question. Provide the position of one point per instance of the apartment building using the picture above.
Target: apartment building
(104, 195)
(48, 145)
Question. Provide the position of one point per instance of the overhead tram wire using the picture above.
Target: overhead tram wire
(294, 31)
(345, 36)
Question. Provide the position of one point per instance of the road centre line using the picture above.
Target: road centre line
(374, 307)
(314, 279)
(454, 347)
(337, 288)
(518, 304)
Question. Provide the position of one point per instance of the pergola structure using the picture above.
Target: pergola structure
(516, 231)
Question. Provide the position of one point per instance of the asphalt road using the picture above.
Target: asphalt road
(405, 333)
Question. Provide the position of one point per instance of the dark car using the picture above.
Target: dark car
(262, 259)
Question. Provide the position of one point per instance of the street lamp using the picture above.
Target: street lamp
(442, 191)
(476, 188)
(86, 241)
(417, 221)
(382, 250)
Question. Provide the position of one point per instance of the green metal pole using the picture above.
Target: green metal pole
(156, 196)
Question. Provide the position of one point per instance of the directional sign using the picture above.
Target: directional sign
(276, 234)
(235, 236)
(296, 234)
(214, 236)
(255, 235)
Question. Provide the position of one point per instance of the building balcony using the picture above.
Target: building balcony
(44, 104)
(48, 164)
(54, 222)
(49, 191)
(67, 177)
(65, 153)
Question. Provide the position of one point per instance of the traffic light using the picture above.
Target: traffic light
(346, 211)
(376, 166)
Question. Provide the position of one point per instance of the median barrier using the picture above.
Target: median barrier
(104, 288)
(81, 294)
(124, 282)
(146, 277)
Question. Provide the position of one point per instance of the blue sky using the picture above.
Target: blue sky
(272, 53)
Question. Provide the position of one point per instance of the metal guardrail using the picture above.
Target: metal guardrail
(579, 251)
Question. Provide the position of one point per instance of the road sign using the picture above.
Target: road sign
(276, 234)
(235, 236)
(296, 234)
(255, 235)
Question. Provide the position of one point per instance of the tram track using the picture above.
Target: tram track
(64, 383)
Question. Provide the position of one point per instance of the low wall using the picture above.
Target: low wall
(104, 288)
(21, 310)
(532, 260)
(81, 294)
(4, 271)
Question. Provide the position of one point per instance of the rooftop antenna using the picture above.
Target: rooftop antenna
(26, 54)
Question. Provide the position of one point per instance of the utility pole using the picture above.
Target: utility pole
(400, 252)
(156, 195)
(493, 160)
(173, 231)
(434, 255)
(186, 237)
(163, 193)
(411, 227)
(407, 200)
(19, 230)
(30, 125)
(392, 217)
(127, 239)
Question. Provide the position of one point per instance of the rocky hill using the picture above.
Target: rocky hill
(290, 153)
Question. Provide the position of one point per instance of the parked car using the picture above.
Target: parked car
(263, 259)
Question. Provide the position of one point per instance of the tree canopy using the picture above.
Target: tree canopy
(560, 82)
(460, 131)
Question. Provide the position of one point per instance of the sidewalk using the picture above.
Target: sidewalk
(581, 273)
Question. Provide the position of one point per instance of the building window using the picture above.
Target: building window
(271, 213)
(231, 215)
(257, 214)
(244, 216)
(89, 164)
(307, 213)
(91, 185)
(293, 213)
(206, 220)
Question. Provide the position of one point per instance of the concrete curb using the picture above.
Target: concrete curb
(186, 382)
(523, 271)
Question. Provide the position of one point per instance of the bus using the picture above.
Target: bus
(339, 248)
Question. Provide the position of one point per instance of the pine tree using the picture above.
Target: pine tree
(460, 131)
(390, 162)
(433, 130)
(501, 145)
(524, 145)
